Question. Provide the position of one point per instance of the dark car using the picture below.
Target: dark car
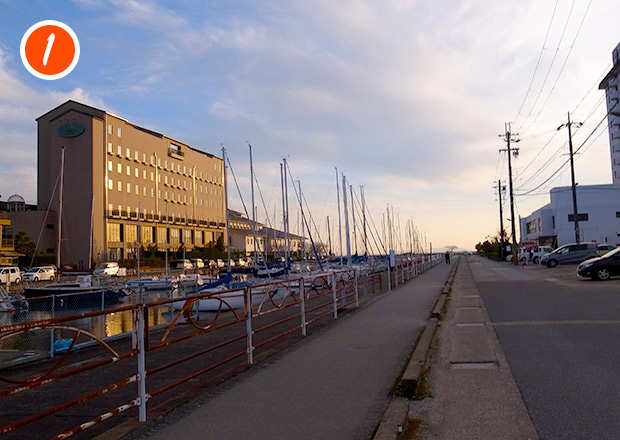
(601, 268)
(570, 254)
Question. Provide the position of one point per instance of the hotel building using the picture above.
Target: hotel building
(599, 205)
(123, 185)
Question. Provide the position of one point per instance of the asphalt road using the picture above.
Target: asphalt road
(560, 335)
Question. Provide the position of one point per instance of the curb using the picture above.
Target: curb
(410, 379)
(394, 420)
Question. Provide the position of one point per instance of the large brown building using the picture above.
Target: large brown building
(118, 176)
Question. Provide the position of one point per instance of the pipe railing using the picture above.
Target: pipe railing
(241, 323)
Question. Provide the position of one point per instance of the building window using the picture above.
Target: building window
(110, 148)
(110, 129)
(119, 150)
(110, 184)
(128, 153)
(119, 132)
(119, 168)
(131, 233)
(109, 165)
(115, 232)
(128, 170)
(144, 191)
(143, 174)
(129, 187)
(120, 186)
(161, 235)
(580, 217)
(175, 235)
(137, 189)
(189, 236)
(136, 173)
(135, 156)
(147, 234)
(152, 192)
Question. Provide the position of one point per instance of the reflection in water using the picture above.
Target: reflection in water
(111, 324)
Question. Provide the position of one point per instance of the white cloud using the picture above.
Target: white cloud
(20, 105)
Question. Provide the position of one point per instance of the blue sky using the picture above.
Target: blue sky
(406, 97)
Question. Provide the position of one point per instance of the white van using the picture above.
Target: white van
(184, 264)
(197, 263)
(40, 273)
(9, 275)
(109, 268)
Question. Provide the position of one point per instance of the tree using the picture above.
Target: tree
(24, 244)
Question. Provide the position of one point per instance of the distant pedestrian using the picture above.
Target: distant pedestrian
(447, 255)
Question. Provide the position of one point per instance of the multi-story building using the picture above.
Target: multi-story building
(268, 241)
(610, 84)
(599, 205)
(7, 249)
(554, 225)
(123, 185)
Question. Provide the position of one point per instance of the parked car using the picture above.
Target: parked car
(184, 264)
(220, 263)
(9, 275)
(197, 263)
(212, 263)
(40, 273)
(109, 268)
(570, 254)
(241, 262)
(601, 268)
(604, 248)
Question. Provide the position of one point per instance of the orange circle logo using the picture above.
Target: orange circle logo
(50, 50)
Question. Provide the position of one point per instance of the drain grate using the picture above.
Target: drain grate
(473, 366)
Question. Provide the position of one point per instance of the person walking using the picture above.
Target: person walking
(447, 255)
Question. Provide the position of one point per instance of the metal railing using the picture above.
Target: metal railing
(133, 345)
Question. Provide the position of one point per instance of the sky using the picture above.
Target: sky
(407, 98)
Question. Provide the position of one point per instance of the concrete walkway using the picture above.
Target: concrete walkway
(334, 385)
(474, 394)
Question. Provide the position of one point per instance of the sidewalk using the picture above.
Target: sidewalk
(334, 385)
(473, 392)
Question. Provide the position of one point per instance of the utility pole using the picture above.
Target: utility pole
(572, 176)
(501, 189)
(508, 138)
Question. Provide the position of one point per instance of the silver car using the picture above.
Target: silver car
(570, 254)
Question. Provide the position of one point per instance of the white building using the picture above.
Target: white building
(599, 217)
(598, 205)
(610, 85)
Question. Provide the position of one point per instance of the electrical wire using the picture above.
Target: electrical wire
(542, 50)
(563, 65)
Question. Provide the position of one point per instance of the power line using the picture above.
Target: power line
(576, 151)
(563, 65)
(542, 50)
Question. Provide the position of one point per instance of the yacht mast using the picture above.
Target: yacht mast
(346, 219)
(62, 181)
(224, 170)
(339, 220)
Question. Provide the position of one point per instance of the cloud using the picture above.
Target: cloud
(20, 105)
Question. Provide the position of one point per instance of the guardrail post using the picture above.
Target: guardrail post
(53, 313)
(357, 293)
(302, 295)
(102, 326)
(140, 311)
(248, 325)
(334, 296)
